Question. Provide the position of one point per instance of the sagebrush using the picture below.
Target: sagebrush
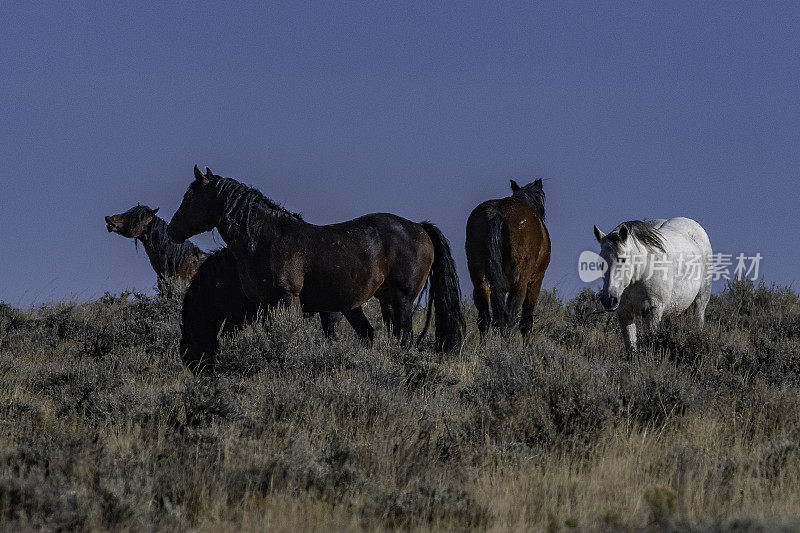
(102, 428)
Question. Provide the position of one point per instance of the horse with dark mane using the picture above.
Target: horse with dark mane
(338, 267)
(166, 257)
(508, 251)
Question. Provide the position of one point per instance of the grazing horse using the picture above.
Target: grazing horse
(215, 303)
(654, 268)
(508, 251)
(167, 258)
(338, 267)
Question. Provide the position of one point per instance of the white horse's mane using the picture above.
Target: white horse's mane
(643, 231)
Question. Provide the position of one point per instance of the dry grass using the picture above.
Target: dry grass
(101, 427)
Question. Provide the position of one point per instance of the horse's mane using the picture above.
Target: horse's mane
(160, 249)
(534, 196)
(643, 231)
(245, 206)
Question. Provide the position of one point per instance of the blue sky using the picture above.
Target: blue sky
(627, 110)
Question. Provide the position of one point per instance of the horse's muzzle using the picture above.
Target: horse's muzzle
(610, 303)
(110, 225)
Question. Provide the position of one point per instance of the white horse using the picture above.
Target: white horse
(652, 268)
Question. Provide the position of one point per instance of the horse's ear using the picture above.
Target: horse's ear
(623, 232)
(208, 172)
(204, 179)
(154, 211)
(599, 235)
(514, 186)
(538, 183)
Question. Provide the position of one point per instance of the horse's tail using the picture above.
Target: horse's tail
(445, 292)
(498, 287)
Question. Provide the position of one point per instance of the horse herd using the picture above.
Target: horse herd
(275, 257)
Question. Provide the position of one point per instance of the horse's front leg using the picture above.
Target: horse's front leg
(627, 326)
(652, 318)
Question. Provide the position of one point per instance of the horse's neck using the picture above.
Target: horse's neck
(242, 235)
(654, 268)
(152, 247)
(234, 236)
(641, 262)
(159, 248)
(242, 246)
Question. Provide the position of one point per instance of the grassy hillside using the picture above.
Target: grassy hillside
(101, 428)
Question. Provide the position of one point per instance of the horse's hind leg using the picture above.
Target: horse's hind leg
(514, 303)
(699, 305)
(528, 307)
(480, 294)
(386, 314)
(360, 324)
(402, 323)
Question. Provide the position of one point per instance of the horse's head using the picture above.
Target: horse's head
(133, 222)
(532, 187)
(199, 210)
(532, 193)
(617, 250)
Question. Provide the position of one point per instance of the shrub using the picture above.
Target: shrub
(102, 428)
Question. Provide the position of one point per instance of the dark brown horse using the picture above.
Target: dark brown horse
(166, 257)
(338, 267)
(508, 250)
(214, 304)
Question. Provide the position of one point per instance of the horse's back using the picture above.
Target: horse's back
(383, 226)
(381, 237)
(525, 230)
(347, 262)
(686, 234)
(689, 251)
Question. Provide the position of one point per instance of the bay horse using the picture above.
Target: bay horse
(215, 303)
(167, 258)
(653, 268)
(283, 259)
(508, 251)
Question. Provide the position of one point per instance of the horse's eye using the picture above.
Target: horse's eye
(622, 260)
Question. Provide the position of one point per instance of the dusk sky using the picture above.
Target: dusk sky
(626, 110)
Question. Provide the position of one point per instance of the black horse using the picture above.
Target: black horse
(282, 259)
(215, 303)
